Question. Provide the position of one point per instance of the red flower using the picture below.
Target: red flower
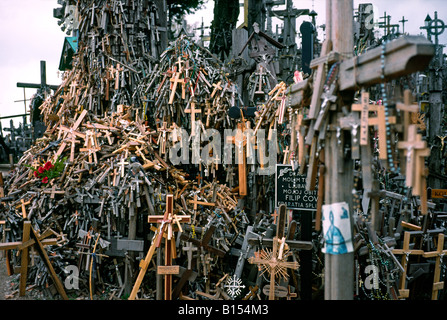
(45, 180)
(36, 173)
(48, 166)
(41, 169)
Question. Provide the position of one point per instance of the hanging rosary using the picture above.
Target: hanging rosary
(394, 169)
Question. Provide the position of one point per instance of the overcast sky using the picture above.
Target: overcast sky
(29, 34)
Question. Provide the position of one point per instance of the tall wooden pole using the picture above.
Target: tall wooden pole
(339, 268)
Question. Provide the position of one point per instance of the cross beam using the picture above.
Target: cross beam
(403, 56)
(43, 80)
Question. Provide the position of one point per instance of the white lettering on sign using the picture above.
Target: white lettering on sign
(290, 189)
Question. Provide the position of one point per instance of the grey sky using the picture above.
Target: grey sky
(29, 34)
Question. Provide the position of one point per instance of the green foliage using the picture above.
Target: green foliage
(178, 8)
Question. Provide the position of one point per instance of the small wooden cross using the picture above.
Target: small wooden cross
(192, 110)
(117, 75)
(108, 135)
(239, 140)
(162, 139)
(408, 108)
(204, 241)
(282, 108)
(439, 254)
(209, 113)
(73, 86)
(175, 81)
(405, 252)
(202, 203)
(363, 107)
(122, 163)
(379, 121)
(73, 128)
(414, 149)
(23, 205)
(53, 192)
(91, 146)
(275, 216)
(189, 248)
(179, 62)
(253, 292)
(216, 87)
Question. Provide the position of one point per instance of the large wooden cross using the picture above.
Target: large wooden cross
(166, 225)
(403, 56)
(32, 238)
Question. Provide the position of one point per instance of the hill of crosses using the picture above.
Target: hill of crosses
(126, 131)
(165, 173)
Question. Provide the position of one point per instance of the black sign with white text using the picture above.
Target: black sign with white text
(290, 189)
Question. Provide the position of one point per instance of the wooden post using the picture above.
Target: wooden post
(339, 269)
(25, 258)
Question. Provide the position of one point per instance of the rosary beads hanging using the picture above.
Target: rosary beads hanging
(394, 169)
